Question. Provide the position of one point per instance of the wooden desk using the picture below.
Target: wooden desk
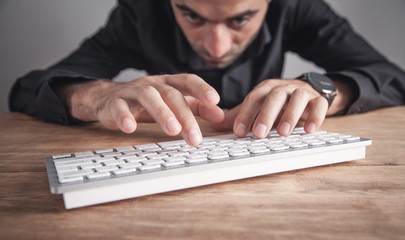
(364, 199)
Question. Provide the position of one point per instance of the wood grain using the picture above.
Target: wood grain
(363, 199)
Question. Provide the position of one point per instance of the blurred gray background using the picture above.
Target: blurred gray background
(36, 33)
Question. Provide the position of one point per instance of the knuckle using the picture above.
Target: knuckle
(185, 120)
(115, 102)
(253, 96)
(170, 93)
(269, 82)
(146, 90)
(162, 110)
(278, 92)
(320, 101)
(301, 93)
(147, 80)
(265, 117)
(189, 76)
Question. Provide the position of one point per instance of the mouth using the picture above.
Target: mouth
(218, 62)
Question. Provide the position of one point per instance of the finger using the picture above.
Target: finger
(318, 109)
(269, 112)
(150, 99)
(122, 116)
(229, 119)
(211, 113)
(295, 107)
(179, 106)
(250, 107)
(193, 85)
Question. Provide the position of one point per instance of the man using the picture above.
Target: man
(206, 55)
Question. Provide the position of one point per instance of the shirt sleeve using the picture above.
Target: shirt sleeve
(113, 48)
(317, 34)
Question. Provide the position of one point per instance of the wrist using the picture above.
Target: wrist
(348, 93)
(322, 84)
(81, 98)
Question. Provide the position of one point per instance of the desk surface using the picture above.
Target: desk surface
(363, 199)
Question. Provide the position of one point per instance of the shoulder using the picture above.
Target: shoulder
(295, 6)
(145, 9)
(299, 13)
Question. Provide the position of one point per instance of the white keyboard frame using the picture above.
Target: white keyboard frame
(194, 175)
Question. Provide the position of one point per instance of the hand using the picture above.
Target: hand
(170, 100)
(286, 100)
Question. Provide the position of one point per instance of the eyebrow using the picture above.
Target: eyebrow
(239, 15)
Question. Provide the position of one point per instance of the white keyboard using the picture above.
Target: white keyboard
(94, 177)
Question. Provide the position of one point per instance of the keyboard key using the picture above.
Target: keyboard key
(124, 171)
(89, 165)
(62, 156)
(153, 162)
(335, 141)
(241, 153)
(82, 172)
(98, 175)
(173, 163)
(218, 155)
(104, 151)
(123, 149)
(106, 169)
(298, 145)
(259, 150)
(62, 170)
(130, 165)
(150, 147)
(132, 158)
(157, 156)
(81, 154)
(70, 179)
(279, 147)
(352, 138)
(201, 159)
(148, 167)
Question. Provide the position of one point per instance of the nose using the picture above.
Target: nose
(218, 41)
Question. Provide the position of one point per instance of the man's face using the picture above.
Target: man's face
(219, 30)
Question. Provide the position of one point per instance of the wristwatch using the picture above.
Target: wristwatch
(321, 83)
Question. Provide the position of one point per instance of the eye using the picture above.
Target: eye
(193, 18)
(238, 22)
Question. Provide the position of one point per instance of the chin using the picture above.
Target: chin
(219, 65)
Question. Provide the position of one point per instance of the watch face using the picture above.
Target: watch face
(321, 82)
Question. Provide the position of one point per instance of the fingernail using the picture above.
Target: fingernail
(311, 127)
(260, 130)
(128, 125)
(212, 96)
(284, 128)
(240, 129)
(194, 137)
(173, 125)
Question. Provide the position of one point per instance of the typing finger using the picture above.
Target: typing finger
(272, 106)
(250, 107)
(176, 102)
(122, 116)
(211, 113)
(150, 99)
(293, 112)
(317, 112)
(192, 85)
(228, 120)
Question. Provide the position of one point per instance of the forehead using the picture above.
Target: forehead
(218, 10)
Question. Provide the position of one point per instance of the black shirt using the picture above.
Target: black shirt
(143, 34)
